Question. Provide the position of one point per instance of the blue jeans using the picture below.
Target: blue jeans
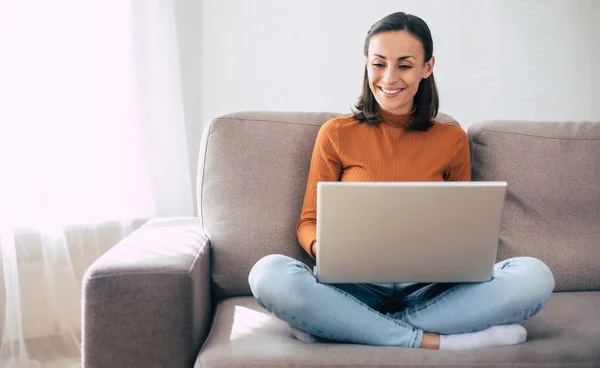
(397, 314)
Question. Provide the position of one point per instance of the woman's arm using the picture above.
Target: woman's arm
(325, 165)
(460, 164)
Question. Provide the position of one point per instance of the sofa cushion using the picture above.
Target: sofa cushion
(563, 334)
(552, 209)
(252, 177)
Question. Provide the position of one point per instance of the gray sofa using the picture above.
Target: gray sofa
(175, 293)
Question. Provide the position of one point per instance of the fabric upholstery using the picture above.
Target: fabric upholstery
(147, 301)
(564, 334)
(552, 209)
(252, 177)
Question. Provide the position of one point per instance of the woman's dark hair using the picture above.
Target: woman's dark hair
(426, 100)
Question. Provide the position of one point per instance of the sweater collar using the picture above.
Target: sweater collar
(395, 120)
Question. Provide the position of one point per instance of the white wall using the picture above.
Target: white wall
(496, 59)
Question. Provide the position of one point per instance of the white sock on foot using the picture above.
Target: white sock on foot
(500, 335)
(302, 335)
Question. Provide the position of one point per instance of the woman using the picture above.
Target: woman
(392, 137)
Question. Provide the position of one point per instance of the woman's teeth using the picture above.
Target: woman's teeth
(391, 91)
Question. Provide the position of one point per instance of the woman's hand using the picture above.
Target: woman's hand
(313, 249)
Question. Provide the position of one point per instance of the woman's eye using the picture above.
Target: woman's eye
(378, 65)
(405, 66)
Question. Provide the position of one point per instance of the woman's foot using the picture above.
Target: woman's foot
(501, 335)
(430, 341)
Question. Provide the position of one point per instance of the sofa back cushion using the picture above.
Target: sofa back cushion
(252, 177)
(552, 208)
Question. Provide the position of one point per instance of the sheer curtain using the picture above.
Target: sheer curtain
(92, 142)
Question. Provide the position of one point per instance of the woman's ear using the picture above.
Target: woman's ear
(428, 70)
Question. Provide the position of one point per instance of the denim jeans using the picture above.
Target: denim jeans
(397, 314)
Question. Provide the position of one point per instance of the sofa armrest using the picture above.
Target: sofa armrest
(147, 301)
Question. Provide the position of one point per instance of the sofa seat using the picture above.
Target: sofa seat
(565, 334)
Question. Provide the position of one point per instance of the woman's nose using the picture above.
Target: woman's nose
(391, 75)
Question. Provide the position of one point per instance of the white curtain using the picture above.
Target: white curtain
(92, 142)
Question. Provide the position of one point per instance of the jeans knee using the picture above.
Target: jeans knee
(265, 270)
(272, 277)
(280, 284)
(535, 276)
(541, 275)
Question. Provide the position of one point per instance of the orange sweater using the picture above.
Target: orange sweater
(346, 150)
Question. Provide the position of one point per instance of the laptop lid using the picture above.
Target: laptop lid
(407, 231)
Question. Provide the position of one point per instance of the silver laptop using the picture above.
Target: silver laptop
(370, 232)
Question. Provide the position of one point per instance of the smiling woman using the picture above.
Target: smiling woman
(398, 75)
(394, 80)
(394, 137)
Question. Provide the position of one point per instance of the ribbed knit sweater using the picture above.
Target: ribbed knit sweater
(347, 150)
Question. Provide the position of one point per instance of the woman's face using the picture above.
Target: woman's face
(395, 66)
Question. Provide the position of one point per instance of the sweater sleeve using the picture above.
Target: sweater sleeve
(325, 165)
(460, 163)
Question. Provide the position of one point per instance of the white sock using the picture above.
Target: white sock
(302, 335)
(500, 335)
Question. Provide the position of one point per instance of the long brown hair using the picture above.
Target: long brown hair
(426, 100)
